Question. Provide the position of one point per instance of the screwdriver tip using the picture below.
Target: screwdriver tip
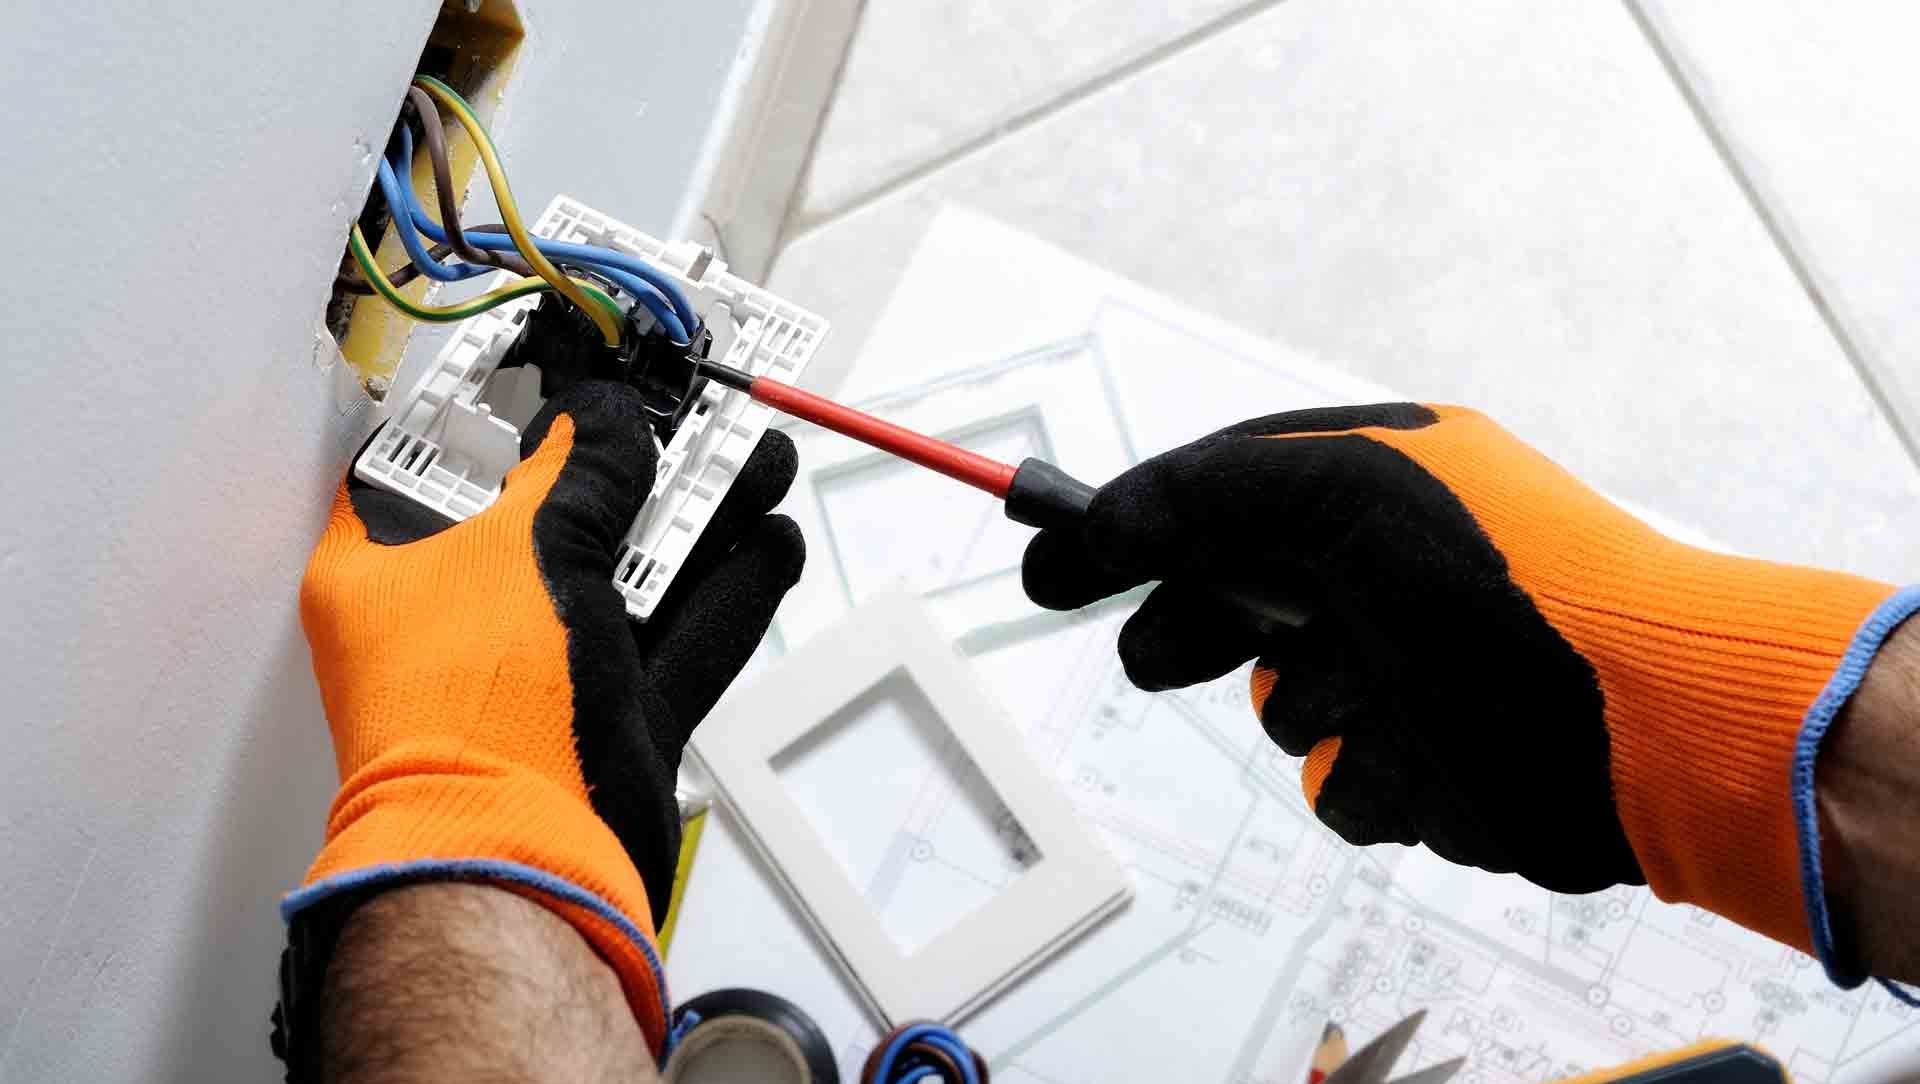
(723, 374)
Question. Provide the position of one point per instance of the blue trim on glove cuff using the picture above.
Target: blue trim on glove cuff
(393, 874)
(1813, 730)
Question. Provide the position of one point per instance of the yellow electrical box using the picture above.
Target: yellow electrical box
(472, 48)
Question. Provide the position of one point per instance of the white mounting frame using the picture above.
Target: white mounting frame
(1073, 886)
(1045, 391)
(446, 447)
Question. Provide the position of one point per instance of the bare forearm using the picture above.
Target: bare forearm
(1869, 803)
(473, 983)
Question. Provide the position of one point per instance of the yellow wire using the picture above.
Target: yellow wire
(510, 212)
(682, 871)
(519, 287)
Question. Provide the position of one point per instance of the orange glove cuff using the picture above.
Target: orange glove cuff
(1708, 682)
(1709, 666)
(432, 809)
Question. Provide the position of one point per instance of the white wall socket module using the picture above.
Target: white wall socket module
(450, 441)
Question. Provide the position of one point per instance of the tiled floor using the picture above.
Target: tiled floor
(1507, 203)
(1814, 99)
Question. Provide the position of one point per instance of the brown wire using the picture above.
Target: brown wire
(942, 1063)
(435, 138)
(354, 284)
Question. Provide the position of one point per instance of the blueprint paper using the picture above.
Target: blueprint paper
(875, 521)
(1251, 925)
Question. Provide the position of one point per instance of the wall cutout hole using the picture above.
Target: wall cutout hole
(473, 50)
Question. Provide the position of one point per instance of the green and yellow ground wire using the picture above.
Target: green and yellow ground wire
(594, 300)
(571, 289)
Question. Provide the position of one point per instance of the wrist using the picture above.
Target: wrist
(431, 811)
(435, 981)
(1867, 796)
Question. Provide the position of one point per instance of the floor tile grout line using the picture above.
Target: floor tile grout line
(1031, 116)
(1880, 385)
(791, 212)
(1881, 388)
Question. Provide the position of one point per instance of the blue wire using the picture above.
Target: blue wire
(633, 265)
(933, 1035)
(595, 256)
(398, 189)
(958, 1051)
(659, 306)
(400, 203)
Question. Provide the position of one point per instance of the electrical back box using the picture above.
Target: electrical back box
(472, 47)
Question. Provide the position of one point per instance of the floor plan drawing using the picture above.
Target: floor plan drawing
(978, 541)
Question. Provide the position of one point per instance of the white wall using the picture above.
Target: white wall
(176, 184)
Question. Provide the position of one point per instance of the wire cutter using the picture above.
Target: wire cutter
(1371, 1063)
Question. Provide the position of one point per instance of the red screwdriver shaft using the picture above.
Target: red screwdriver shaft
(1036, 493)
(951, 460)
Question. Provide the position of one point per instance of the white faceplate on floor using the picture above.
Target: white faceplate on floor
(1062, 881)
(446, 447)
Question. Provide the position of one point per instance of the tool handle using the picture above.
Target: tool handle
(1042, 495)
(1714, 1061)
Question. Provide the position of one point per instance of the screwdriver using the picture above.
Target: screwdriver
(1036, 493)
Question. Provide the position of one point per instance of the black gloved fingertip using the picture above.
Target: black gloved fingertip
(778, 458)
(786, 550)
(1045, 567)
(1057, 573)
(1179, 638)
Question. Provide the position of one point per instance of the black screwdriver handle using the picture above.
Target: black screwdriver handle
(1042, 495)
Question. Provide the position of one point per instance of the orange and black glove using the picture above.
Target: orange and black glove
(495, 715)
(1500, 663)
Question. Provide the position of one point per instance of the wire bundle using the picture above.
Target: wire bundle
(923, 1053)
(507, 246)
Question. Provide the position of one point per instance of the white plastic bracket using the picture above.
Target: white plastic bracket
(446, 447)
